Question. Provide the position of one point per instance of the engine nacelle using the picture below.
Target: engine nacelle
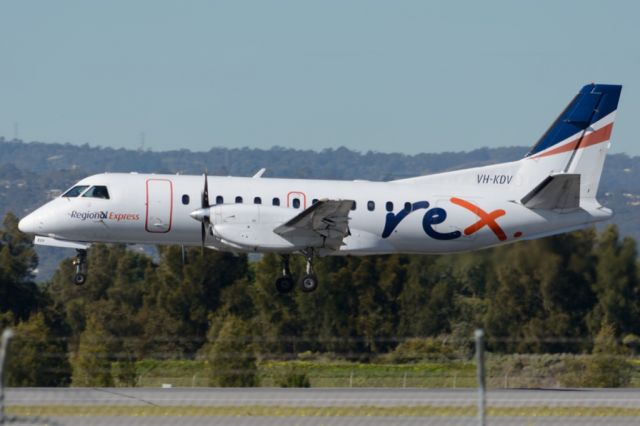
(249, 227)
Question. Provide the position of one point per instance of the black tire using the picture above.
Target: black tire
(309, 283)
(284, 284)
(79, 279)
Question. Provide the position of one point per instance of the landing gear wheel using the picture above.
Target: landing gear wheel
(284, 284)
(308, 283)
(80, 262)
(79, 279)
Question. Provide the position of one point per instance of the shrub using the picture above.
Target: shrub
(125, 373)
(417, 349)
(293, 377)
(607, 367)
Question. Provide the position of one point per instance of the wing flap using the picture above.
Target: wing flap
(327, 218)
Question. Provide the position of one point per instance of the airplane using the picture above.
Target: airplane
(551, 190)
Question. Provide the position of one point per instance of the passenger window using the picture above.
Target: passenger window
(97, 192)
(257, 200)
(219, 199)
(75, 191)
(296, 203)
(276, 201)
(371, 206)
(238, 200)
(353, 207)
(185, 199)
(407, 206)
(389, 206)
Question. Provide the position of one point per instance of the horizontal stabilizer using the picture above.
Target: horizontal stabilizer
(555, 192)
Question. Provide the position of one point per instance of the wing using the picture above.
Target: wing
(326, 218)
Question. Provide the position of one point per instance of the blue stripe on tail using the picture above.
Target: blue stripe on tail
(594, 102)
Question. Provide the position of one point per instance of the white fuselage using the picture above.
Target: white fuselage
(477, 208)
(551, 190)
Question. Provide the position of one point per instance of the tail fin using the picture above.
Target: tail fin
(577, 142)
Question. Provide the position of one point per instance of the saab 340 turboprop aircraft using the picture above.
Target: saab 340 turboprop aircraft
(550, 191)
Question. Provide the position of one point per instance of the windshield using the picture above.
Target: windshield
(75, 191)
(97, 192)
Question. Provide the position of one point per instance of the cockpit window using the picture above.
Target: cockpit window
(75, 191)
(97, 192)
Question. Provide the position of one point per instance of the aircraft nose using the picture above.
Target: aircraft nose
(29, 224)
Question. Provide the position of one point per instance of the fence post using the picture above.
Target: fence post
(4, 343)
(479, 335)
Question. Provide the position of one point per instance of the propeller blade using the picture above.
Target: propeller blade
(204, 235)
(204, 222)
(205, 193)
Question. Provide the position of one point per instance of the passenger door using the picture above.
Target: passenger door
(159, 205)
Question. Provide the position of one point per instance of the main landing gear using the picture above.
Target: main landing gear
(80, 262)
(284, 284)
(308, 282)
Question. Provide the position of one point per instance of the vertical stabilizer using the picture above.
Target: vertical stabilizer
(578, 141)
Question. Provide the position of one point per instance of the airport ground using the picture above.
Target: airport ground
(275, 406)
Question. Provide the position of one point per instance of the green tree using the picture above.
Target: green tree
(277, 316)
(181, 297)
(616, 286)
(92, 362)
(376, 313)
(231, 359)
(427, 300)
(18, 260)
(607, 367)
(538, 294)
(328, 316)
(36, 357)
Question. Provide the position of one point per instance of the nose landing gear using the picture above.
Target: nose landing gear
(80, 262)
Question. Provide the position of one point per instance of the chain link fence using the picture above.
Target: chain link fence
(322, 389)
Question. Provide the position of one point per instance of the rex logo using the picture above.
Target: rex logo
(437, 215)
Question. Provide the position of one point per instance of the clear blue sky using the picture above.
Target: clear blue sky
(389, 76)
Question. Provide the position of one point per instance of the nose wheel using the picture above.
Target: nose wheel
(80, 262)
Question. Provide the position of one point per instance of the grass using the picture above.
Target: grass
(538, 371)
(541, 372)
(447, 374)
(306, 411)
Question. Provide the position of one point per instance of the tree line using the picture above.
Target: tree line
(552, 295)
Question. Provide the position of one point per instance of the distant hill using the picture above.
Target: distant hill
(31, 173)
